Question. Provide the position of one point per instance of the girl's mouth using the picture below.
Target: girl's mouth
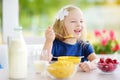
(77, 32)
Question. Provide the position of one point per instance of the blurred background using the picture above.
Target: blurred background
(36, 15)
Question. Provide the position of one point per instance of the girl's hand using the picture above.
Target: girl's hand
(49, 34)
(88, 66)
(85, 66)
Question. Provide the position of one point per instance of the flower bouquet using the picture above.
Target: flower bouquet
(106, 42)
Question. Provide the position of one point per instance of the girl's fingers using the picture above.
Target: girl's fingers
(85, 67)
(49, 34)
(49, 30)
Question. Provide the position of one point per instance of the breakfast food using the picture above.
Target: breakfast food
(73, 59)
(69, 36)
(107, 65)
(61, 69)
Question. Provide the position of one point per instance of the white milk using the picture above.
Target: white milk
(17, 58)
(40, 66)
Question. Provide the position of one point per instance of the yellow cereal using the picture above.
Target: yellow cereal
(74, 59)
(61, 69)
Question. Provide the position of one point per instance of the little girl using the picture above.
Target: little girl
(67, 37)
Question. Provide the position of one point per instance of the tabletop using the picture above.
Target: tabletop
(80, 75)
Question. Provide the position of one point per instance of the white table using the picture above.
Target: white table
(93, 75)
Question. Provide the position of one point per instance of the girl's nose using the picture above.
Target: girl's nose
(79, 24)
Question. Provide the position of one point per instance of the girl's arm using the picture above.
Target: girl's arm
(91, 64)
(92, 57)
(50, 36)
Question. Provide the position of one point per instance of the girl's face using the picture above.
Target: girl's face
(74, 23)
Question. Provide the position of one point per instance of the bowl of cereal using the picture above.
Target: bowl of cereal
(73, 59)
(62, 69)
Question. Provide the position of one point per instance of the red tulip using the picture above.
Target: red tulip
(112, 35)
(104, 41)
(116, 48)
(104, 31)
(97, 33)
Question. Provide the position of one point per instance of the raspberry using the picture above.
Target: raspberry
(115, 61)
(101, 60)
(108, 60)
(107, 65)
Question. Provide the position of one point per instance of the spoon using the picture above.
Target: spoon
(68, 36)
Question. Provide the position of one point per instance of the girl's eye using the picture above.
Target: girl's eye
(73, 21)
(81, 21)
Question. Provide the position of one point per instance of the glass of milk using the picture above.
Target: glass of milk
(40, 61)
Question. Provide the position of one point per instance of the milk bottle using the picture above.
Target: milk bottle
(17, 55)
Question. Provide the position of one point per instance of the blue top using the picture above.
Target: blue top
(78, 49)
